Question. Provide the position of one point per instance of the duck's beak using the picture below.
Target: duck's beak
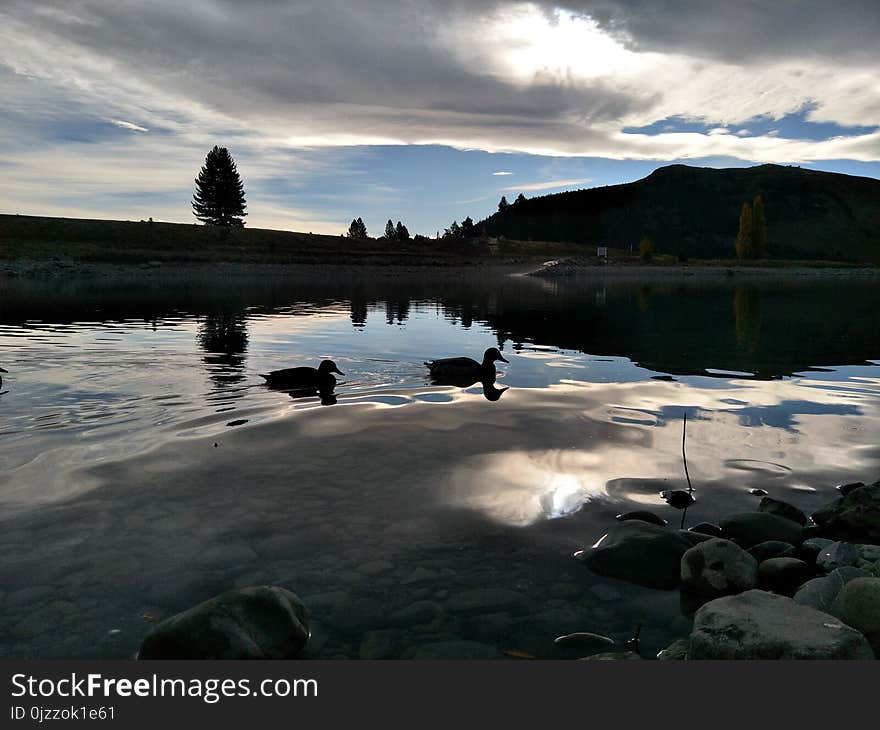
(501, 357)
(3, 371)
(338, 372)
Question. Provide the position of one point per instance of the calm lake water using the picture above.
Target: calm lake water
(146, 467)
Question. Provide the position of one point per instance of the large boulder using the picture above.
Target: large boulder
(858, 605)
(772, 549)
(261, 622)
(854, 517)
(782, 509)
(638, 552)
(750, 528)
(761, 625)
(819, 593)
(717, 567)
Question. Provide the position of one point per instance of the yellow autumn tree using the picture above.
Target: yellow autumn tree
(744, 244)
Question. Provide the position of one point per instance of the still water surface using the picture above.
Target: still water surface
(146, 467)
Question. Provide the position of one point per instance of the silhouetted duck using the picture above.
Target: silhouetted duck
(319, 378)
(1, 377)
(451, 369)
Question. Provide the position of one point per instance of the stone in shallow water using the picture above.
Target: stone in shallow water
(585, 641)
(420, 612)
(750, 528)
(706, 528)
(457, 650)
(612, 656)
(783, 575)
(858, 605)
(855, 516)
(716, 568)
(772, 549)
(260, 622)
(488, 600)
(638, 552)
(811, 548)
(761, 625)
(782, 509)
(643, 515)
(837, 555)
(819, 593)
(677, 650)
(380, 644)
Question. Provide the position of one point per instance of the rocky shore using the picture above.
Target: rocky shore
(591, 266)
(768, 584)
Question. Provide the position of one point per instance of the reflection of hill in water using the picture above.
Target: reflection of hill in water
(768, 326)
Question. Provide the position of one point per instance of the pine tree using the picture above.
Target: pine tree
(454, 231)
(520, 199)
(400, 232)
(503, 205)
(759, 229)
(744, 245)
(390, 231)
(219, 196)
(467, 228)
(357, 229)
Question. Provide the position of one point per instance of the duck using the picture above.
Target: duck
(319, 378)
(455, 370)
(1, 377)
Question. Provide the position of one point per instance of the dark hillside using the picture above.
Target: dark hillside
(694, 211)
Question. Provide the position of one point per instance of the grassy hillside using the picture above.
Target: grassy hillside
(694, 212)
(32, 237)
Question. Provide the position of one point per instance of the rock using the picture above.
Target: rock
(375, 567)
(854, 517)
(783, 575)
(678, 498)
(845, 489)
(457, 650)
(758, 492)
(380, 644)
(419, 575)
(677, 650)
(488, 600)
(260, 622)
(642, 515)
(612, 656)
(858, 605)
(706, 528)
(782, 509)
(811, 548)
(819, 593)
(694, 538)
(420, 612)
(761, 625)
(869, 553)
(772, 549)
(750, 528)
(638, 552)
(584, 641)
(837, 555)
(716, 568)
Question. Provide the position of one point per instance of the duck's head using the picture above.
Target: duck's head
(328, 366)
(3, 371)
(492, 355)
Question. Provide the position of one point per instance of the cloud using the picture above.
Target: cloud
(546, 185)
(128, 125)
(502, 173)
(563, 79)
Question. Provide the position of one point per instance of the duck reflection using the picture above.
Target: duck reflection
(463, 372)
(326, 394)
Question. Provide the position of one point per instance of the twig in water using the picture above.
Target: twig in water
(683, 455)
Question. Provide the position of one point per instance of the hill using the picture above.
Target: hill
(131, 242)
(694, 212)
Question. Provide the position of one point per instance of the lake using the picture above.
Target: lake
(147, 468)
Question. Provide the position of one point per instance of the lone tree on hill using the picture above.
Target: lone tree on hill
(745, 248)
(646, 249)
(357, 229)
(219, 196)
(759, 229)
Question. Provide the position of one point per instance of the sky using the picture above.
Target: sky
(423, 111)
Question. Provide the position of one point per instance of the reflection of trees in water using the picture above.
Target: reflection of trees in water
(358, 312)
(397, 309)
(747, 311)
(224, 339)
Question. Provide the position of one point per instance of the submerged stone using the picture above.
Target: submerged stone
(783, 575)
(638, 552)
(261, 622)
(772, 549)
(676, 651)
(706, 528)
(782, 509)
(643, 515)
(584, 641)
(750, 528)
